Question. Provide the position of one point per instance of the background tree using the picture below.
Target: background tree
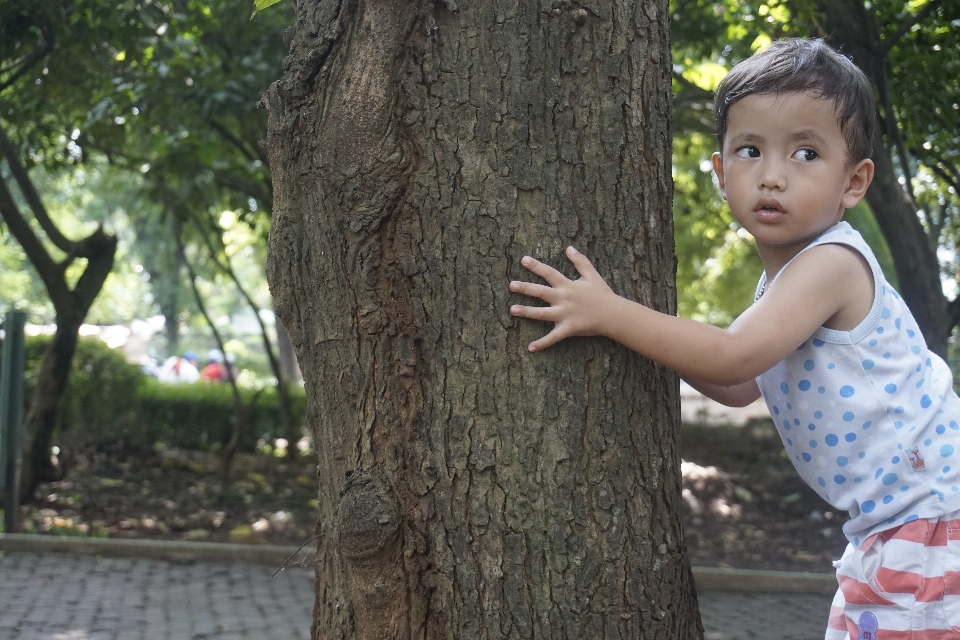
(165, 91)
(467, 488)
(72, 271)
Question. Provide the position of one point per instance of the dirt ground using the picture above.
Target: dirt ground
(743, 504)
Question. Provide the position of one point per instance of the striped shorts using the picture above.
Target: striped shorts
(900, 584)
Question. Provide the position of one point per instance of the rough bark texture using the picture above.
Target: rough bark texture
(469, 489)
(852, 27)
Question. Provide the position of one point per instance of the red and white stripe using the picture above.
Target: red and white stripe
(908, 577)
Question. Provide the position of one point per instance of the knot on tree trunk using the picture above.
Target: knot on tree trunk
(369, 541)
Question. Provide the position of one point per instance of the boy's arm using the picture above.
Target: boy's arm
(739, 395)
(819, 285)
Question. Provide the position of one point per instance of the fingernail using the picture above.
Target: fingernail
(526, 260)
(514, 286)
(514, 309)
(531, 348)
(572, 250)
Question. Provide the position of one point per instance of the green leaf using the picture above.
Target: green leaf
(261, 4)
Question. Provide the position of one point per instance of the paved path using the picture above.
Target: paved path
(55, 596)
(752, 615)
(63, 597)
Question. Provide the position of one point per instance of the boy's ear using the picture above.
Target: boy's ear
(858, 180)
(718, 169)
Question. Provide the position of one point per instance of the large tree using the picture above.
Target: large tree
(467, 488)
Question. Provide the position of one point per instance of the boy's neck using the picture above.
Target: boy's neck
(775, 257)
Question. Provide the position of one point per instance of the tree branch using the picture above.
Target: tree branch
(250, 188)
(691, 92)
(232, 139)
(946, 172)
(8, 151)
(905, 27)
(50, 273)
(44, 47)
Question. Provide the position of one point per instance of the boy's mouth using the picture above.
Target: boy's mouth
(768, 210)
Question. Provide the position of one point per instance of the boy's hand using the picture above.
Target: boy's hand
(577, 307)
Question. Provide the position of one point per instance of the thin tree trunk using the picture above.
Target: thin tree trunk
(285, 413)
(469, 489)
(229, 450)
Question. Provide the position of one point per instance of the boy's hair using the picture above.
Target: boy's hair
(795, 65)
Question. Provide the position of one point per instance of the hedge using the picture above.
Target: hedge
(108, 398)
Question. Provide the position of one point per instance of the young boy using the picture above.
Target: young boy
(867, 414)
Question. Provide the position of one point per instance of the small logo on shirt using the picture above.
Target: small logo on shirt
(868, 625)
(916, 460)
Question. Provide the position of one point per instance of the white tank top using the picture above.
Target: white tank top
(869, 416)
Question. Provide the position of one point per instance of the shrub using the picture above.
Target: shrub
(108, 398)
(200, 416)
(101, 398)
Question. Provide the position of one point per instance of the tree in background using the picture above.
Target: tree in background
(72, 271)
(467, 488)
(165, 91)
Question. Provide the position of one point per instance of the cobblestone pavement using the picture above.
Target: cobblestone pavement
(754, 615)
(77, 597)
(64, 597)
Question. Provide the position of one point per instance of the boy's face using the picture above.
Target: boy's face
(783, 170)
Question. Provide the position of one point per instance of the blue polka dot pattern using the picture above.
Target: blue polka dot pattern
(882, 421)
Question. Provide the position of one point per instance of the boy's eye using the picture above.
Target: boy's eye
(748, 152)
(806, 155)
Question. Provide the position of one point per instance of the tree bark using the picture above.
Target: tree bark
(469, 489)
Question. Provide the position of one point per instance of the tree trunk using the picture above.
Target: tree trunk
(852, 27)
(287, 356)
(469, 489)
(41, 419)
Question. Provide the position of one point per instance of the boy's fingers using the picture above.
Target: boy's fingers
(531, 289)
(545, 271)
(534, 313)
(580, 262)
(548, 340)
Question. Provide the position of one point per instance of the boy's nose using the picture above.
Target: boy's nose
(773, 176)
